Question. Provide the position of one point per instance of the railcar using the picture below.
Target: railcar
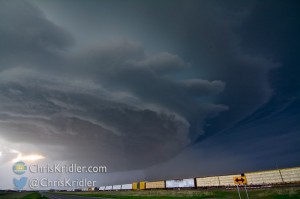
(278, 176)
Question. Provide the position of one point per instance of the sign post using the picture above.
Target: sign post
(246, 192)
(241, 180)
(237, 186)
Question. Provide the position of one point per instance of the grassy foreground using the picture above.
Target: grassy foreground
(21, 195)
(274, 193)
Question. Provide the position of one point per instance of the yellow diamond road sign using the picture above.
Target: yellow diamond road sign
(240, 180)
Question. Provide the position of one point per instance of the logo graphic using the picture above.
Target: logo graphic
(20, 184)
(19, 168)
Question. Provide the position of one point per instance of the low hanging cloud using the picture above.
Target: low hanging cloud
(111, 104)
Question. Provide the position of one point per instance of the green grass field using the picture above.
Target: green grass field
(21, 195)
(274, 193)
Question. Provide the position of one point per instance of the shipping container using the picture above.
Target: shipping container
(155, 185)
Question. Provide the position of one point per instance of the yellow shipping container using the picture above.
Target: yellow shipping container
(135, 185)
(155, 185)
(142, 185)
(138, 185)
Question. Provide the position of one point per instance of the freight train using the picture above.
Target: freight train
(278, 176)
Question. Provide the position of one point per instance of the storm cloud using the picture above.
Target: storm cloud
(142, 86)
(111, 101)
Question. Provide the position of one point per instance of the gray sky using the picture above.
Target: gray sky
(151, 89)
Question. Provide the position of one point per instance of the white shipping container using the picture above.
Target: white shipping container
(208, 181)
(126, 186)
(108, 187)
(228, 180)
(291, 175)
(102, 188)
(180, 183)
(116, 187)
(264, 177)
